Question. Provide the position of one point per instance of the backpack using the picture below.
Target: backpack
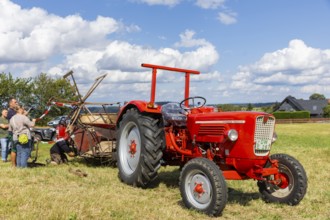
(23, 139)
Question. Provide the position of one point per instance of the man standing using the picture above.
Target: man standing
(20, 125)
(12, 103)
(4, 135)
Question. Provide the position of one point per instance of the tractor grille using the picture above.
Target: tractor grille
(210, 129)
(263, 135)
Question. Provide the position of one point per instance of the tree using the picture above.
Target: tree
(229, 107)
(276, 106)
(17, 88)
(46, 88)
(249, 107)
(36, 92)
(268, 109)
(317, 96)
(326, 111)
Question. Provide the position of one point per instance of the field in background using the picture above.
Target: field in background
(56, 192)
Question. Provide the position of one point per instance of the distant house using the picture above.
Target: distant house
(315, 107)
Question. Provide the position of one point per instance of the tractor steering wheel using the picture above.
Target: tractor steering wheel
(200, 103)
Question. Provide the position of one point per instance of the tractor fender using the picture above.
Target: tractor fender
(142, 106)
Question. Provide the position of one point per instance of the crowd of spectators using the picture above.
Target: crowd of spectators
(16, 139)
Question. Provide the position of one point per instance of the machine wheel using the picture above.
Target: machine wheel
(37, 137)
(203, 187)
(54, 138)
(293, 184)
(139, 149)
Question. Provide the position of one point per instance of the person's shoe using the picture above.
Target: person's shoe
(53, 163)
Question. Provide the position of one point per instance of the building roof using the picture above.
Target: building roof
(315, 107)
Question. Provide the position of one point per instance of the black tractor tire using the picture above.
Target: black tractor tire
(139, 168)
(203, 173)
(295, 186)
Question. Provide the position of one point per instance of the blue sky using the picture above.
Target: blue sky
(247, 51)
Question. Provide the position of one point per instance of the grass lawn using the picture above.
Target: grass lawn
(56, 192)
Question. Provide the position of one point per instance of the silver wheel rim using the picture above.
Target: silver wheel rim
(283, 192)
(198, 200)
(129, 161)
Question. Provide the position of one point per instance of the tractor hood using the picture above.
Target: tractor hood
(212, 127)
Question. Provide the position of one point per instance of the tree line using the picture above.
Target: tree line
(36, 92)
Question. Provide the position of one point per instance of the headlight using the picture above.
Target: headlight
(274, 137)
(232, 135)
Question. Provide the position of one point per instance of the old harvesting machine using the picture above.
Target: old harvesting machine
(91, 125)
(209, 146)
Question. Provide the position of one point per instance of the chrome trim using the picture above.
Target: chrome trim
(263, 131)
(222, 122)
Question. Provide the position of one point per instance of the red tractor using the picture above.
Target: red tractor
(209, 146)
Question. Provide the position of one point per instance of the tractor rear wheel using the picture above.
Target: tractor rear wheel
(293, 184)
(203, 187)
(139, 149)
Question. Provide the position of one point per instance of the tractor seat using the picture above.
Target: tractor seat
(174, 115)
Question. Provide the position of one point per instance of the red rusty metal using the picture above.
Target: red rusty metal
(154, 78)
(186, 90)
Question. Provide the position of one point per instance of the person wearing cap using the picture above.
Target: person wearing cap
(62, 146)
(20, 126)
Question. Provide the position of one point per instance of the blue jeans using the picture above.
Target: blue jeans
(4, 148)
(23, 154)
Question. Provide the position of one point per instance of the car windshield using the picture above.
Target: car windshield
(58, 118)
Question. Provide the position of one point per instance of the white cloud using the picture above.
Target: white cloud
(207, 77)
(128, 57)
(227, 17)
(122, 61)
(310, 89)
(210, 4)
(188, 40)
(297, 57)
(33, 35)
(297, 69)
(280, 78)
(160, 2)
(205, 4)
(33, 41)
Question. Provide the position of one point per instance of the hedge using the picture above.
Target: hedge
(292, 115)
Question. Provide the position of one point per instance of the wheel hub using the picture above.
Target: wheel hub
(129, 150)
(199, 189)
(284, 181)
(132, 148)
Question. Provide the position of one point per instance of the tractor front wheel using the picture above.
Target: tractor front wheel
(139, 149)
(203, 187)
(293, 182)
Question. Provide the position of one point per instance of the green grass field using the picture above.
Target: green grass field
(54, 192)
